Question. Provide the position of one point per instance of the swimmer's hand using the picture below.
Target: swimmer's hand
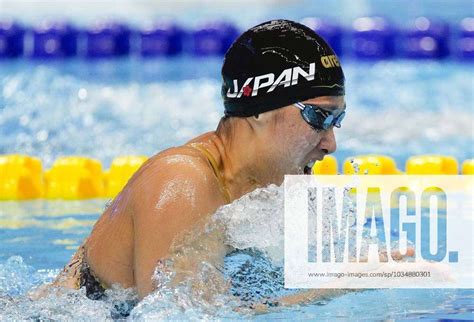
(300, 298)
(395, 255)
(313, 295)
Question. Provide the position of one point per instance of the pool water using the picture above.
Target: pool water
(399, 108)
(110, 108)
(38, 237)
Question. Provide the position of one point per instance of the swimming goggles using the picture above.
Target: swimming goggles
(318, 118)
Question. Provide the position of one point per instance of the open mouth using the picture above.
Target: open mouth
(314, 157)
(309, 167)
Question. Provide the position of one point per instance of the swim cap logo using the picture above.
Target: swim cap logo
(289, 77)
(247, 90)
(330, 61)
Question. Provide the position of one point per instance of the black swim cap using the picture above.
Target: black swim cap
(276, 64)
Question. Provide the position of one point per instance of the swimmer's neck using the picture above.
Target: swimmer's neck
(243, 164)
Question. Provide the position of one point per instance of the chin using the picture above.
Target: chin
(297, 169)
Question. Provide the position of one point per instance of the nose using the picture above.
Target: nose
(328, 141)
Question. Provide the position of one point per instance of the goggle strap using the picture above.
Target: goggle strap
(299, 105)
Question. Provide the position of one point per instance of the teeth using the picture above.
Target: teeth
(309, 167)
(311, 163)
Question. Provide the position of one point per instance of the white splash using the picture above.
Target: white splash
(255, 221)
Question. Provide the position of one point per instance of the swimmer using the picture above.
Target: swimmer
(283, 93)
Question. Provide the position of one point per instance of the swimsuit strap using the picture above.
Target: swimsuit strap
(215, 167)
(95, 289)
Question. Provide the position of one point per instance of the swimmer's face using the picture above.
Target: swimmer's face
(300, 141)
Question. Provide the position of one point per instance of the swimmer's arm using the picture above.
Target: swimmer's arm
(308, 296)
(312, 295)
(168, 200)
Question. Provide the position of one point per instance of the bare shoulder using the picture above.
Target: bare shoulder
(176, 176)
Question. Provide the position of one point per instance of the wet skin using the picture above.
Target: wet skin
(177, 187)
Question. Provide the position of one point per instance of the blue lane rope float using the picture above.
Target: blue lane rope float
(371, 38)
(426, 38)
(54, 40)
(161, 39)
(213, 38)
(465, 39)
(11, 39)
(106, 39)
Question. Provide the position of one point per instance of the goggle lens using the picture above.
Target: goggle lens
(339, 119)
(318, 118)
(328, 121)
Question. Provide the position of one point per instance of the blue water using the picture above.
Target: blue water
(399, 108)
(38, 237)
